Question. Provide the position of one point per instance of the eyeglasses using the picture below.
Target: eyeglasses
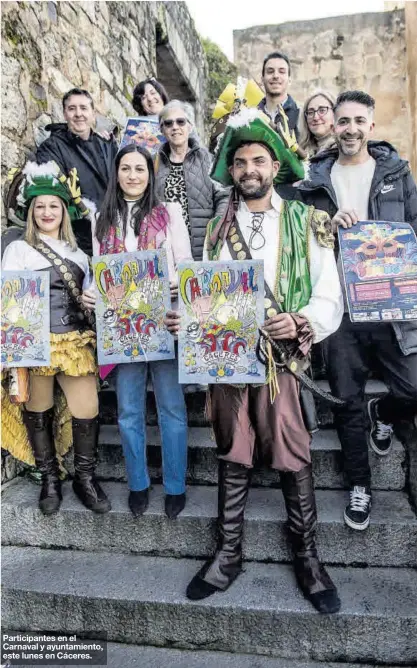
(320, 111)
(170, 122)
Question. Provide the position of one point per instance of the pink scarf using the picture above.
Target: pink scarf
(152, 232)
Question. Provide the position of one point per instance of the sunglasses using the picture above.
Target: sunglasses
(320, 111)
(170, 122)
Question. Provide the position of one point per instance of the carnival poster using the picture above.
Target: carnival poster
(144, 132)
(25, 319)
(132, 298)
(221, 306)
(379, 262)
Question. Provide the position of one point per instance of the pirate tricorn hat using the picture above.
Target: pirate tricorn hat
(48, 179)
(246, 122)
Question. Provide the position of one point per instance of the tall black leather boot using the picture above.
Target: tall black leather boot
(39, 428)
(312, 577)
(85, 440)
(219, 573)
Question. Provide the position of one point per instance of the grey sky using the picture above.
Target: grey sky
(217, 19)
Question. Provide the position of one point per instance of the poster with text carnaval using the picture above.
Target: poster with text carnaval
(25, 319)
(132, 298)
(221, 306)
(379, 262)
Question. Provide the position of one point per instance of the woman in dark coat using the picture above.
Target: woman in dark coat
(182, 174)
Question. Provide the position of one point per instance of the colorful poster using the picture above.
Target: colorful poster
(379, 262)
(221, 308)
(132, 299)
(25, 319)
(144, 132)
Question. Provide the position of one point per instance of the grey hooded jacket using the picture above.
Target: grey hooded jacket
(206, 198)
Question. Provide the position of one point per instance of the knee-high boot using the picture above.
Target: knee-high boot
(39, 427)
(85, 439)
(312, 577)
(219, 573)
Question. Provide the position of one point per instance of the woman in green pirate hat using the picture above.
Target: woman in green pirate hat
(44, 427)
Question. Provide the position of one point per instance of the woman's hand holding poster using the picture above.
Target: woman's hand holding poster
(132, 298)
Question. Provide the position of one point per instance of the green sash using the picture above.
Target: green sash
(292, 288)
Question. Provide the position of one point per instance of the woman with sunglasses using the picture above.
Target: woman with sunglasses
(317, 123)
(132, 218)
(183, 174)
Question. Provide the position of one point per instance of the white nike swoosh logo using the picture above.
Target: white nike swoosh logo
(387, 189)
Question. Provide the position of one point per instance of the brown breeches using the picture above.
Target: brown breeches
(250, 429)
(80, 393)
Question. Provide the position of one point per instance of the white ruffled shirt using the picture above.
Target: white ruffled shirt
(324, 311)
(19, 255)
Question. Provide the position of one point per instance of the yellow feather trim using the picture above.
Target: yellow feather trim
(14, 437)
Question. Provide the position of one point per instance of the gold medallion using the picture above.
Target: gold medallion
(234, 238)
(241, 255)
(271, 312)
(267, 303)
(237, 247)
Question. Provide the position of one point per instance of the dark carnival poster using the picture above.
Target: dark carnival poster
(379, 262)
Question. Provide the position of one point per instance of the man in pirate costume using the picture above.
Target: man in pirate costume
(50, 421)
(303, 303)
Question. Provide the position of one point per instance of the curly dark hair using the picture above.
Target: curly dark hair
(139, 91)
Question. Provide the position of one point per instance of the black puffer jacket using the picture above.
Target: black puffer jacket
(69, 151)
(393, 197)
(206, 198)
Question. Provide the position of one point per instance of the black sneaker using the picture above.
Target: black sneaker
(380, 438)
(359, 509)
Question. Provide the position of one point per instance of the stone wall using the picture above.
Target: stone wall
(361, 51)
(411, 49)
(106, 47)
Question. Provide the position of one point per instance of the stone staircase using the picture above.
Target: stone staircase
(114, 576)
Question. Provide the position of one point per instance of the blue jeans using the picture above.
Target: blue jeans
(131, 380)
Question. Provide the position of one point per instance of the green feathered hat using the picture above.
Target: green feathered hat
(251, 124)
(48, 179)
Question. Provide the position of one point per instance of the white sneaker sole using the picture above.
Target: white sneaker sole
(354, 525)
(380, 453)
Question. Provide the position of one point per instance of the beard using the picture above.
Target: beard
(255, 190)
(350, 150)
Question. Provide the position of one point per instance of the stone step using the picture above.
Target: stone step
(391, 539)
(141, 656)
(387, 472)
(196, 402)
(141, 600)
